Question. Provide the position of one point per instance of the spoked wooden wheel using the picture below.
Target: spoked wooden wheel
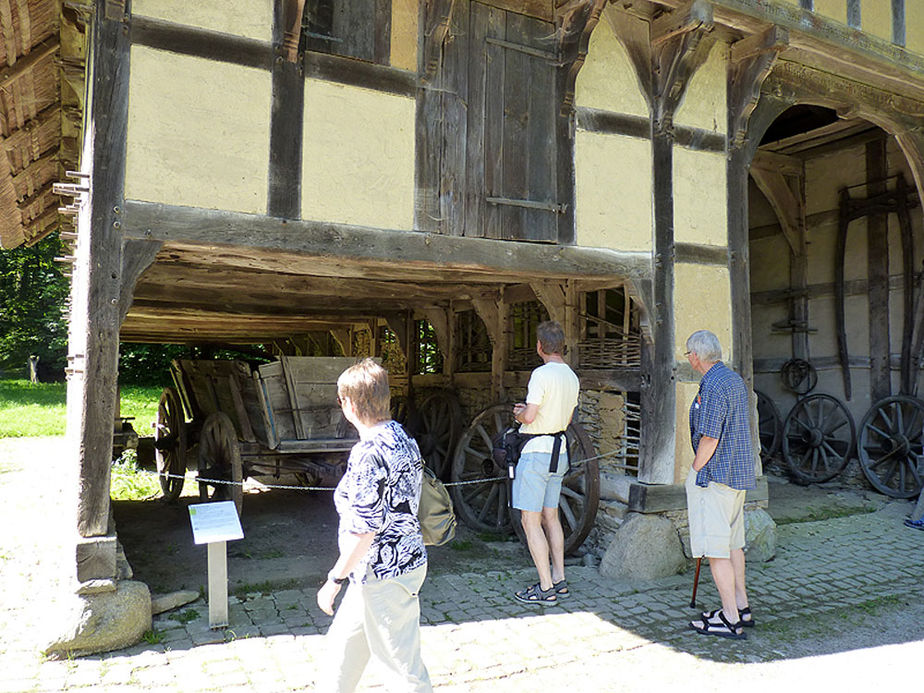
(580, 492)
(440, 426)
(890, 446)
(220, 459)
(482, 506)
(818, 438)
(170, 444)
(768, 423)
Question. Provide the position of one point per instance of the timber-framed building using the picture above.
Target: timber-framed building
(251, 171)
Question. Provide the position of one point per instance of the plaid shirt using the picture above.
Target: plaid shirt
(721, 410)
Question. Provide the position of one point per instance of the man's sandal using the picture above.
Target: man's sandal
(914, 524)
(744, 616)
(721, 628)
(561, 589)
(534, 595)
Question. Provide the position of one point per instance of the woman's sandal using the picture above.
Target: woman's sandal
(744, 616)
(534, 595)
(722, 628)
(561, 589)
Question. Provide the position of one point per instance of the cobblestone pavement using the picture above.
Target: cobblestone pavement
(841, 602)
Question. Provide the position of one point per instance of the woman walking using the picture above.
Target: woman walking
(382, 554)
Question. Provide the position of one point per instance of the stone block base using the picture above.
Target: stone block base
(103, 621)
(644, 548)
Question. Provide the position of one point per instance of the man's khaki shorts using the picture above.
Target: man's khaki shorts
(716, 518)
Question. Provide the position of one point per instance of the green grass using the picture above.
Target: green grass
(39, 409)
(127, 482)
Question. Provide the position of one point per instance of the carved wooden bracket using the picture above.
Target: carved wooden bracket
(137, 256)
(788, 205)
(439, 319)
(751, 61)
(677, 52)
(575, 21)
(552, 296)
(437, 16)
(293, 11)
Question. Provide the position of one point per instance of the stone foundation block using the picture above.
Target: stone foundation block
(104, 621)
(644, 548)
(759, 534)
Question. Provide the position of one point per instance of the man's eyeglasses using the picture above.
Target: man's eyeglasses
(687, 353)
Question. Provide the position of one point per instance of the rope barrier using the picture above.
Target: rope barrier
(226, 482)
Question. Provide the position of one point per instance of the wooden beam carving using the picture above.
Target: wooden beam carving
(789, 208)
(751, 61)
(493, 312)
(437, 13)
(137, 256)
(552, 296)
(677, 51)
(293, 9)
(398, 323)
(575, 21)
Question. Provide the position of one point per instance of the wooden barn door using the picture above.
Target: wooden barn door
(513, 107)
(494, 156)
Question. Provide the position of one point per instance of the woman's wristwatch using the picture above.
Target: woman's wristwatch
(336, 580)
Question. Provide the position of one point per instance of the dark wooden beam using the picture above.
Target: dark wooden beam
(287, 114)
(357, 73)
(342, 245)
(201, 43)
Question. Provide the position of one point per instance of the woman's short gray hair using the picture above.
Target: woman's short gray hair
(705, 345)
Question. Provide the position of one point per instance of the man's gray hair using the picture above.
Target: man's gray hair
(705, 345)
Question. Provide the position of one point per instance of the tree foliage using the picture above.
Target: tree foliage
(33, 295)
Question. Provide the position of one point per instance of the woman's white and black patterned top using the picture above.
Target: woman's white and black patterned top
(380, 492)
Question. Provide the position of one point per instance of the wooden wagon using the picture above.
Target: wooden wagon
(277, 418)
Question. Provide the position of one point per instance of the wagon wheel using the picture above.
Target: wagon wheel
(580, 492)
(768, 423)
(890, 446)
(170, 444)
(439, 429)
(818, 438)
(482, 506)
(220, 458)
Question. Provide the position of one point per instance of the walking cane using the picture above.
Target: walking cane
(699, 563)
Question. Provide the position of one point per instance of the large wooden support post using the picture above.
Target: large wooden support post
(751, 61)
(677, 51)
(97, 289)
(285, 166)
(493, 312)
(877, 258)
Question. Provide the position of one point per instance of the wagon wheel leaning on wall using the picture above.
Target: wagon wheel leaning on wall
(890, 446)
(220, 459)
(170, 443)
(440, 424)
(818, 437)
(580, 492)
(769, 425)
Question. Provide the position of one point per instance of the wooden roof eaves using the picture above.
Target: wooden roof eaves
(25, 65)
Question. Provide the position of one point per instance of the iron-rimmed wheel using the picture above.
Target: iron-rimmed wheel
(580, 492)
(440, 426)
(799, 376)
(220, 459)
(890, 446)
(818, 438)
(769, 425)
(482, 506)
(170, 444)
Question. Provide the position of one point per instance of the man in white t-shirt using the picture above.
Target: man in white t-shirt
(552, 395)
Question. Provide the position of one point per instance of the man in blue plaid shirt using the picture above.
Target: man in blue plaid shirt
(723, 469)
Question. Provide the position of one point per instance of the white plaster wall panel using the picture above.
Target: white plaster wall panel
(876, 18)
(768, 343)
(826, 175)
(248, 18)
(831, 382)
(358, 159)
(760, 213)
(823, 343)
(700, 197)
(770, 259)
(403, 52)
(702, 301)
(607, 80)
(608, 215)
(832, 9)
(198, 132)
(704, 102)
(821, 250)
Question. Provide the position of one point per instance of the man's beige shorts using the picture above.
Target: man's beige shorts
(716, 518)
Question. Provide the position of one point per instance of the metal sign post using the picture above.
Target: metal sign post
(216, 524)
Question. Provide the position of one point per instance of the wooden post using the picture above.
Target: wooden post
(285, 165)
(218, 584)
(877, 240)
(96, 290)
